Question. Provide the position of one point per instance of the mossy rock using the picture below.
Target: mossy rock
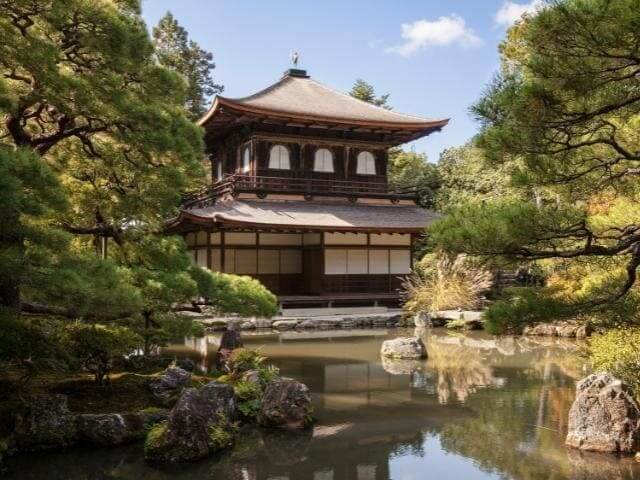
(197, 426)
(48, 423)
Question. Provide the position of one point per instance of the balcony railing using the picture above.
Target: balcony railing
(262, 185)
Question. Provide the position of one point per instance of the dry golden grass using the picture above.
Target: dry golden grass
(446, 284)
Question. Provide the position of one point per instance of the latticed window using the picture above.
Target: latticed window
(323, 161)
(366, 164)
(279, 158)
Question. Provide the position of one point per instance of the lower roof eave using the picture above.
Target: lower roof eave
(188, 218)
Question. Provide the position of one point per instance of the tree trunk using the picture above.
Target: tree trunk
(147, 325)
(11, 237)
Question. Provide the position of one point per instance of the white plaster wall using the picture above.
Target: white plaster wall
(239, 238)
(335, 261)
(357, 262)
(378, 262)
(281, 239)
(400, 261)
(345, 238)
(391, 239)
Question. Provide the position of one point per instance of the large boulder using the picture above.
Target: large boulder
(198, 425)
(111, 429)
(219, 400)
(48, 423)
(286, 403)
(166, 388)
(604, 416)
(404, 348)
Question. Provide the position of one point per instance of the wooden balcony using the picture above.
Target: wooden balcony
(263, 186)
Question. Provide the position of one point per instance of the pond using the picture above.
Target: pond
(480, 407)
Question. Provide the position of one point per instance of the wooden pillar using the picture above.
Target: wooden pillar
(347, 154)
(209, 263)
(222, 252)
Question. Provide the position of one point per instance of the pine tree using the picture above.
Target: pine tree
(176, 52)
(565, 109)
(365, 92)
(94, 144)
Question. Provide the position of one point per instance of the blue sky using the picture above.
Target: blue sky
(434, 58)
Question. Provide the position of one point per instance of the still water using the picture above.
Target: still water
(479, 408)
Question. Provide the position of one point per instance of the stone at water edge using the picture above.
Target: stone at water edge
(168, 386)
(186, 364)
(112, 429)
(567, 328)
(285, 324)
(48, 423)
(286, 403)
(404, 348)
(605, 416)
(422, 320)
(427, 320)
(187, 434)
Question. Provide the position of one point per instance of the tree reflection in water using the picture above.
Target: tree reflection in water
(479, 407)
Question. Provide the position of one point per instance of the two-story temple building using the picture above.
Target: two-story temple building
(299, 196)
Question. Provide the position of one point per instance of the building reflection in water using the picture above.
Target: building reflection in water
(479, 407)
(371, 410)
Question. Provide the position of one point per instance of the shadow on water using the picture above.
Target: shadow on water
(479, 407)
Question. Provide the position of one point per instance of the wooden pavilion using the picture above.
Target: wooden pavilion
(299, 196)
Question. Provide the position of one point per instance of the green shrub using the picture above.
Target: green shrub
(249, 392)
(155, 435)
(618, 352)
(30, 344)
(242, 295)
(521, 306)
(222, 434)
(458, 323)
(244, 359)
(95, 346)
(249, 395)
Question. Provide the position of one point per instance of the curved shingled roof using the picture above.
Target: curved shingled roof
(311, 215)
(300, 96)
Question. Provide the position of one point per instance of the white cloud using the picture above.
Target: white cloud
(510, 12)
(444, 31)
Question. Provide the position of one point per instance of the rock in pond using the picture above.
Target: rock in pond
(198, 425)
(167, 387)
(112, 429)
(286, 403)
(605, 416)
(404, 348)
(186, 364)
(48, 423)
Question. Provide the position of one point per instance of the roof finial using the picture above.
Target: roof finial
(294, 56)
